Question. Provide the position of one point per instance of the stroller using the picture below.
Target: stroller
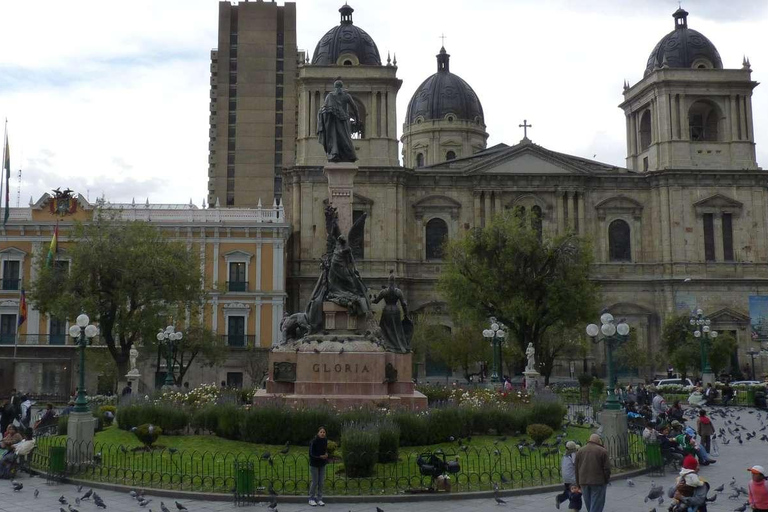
(435, 466)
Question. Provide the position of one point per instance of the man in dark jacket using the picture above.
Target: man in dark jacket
(593, 471)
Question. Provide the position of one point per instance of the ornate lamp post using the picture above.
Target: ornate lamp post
(704, 334)
(495, 335)
(752, 353)
(612, 335)
(83, 333)
(169, 340)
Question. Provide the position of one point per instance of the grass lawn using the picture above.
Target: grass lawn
(208, 463)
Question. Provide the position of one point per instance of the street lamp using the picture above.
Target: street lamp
(83, 334)
(495, 335)
(612, 334)
(169, 339)
(752, 353)
(704, 333)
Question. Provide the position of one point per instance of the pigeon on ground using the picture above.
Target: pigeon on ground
(143, 502)
(265, 455)
(163, 507)
(180, 506)
(72, 509)
(133, 494)
(741, 508)
(99, 503)
(77, 501)
(37, 493)
(63, 500)
(630, 482)
(499, 501)
(504, 479)
(18, 486)
(712, 499)
(720, 488)
(657, 491)
(379, 509)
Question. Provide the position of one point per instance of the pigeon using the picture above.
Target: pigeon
(266, 455)
(499, 501)
(61, 509)
(143, 502)
(379, 509)
(712, 499)
(133, 494)
(163, 507)
(273, 505)
(630, 482)
(77, 501)
(657, 491)
(179, 506)
(79, 488)
(18, 486)
(742, 508)
(63, 500)
(173, 450)
(72, 509)
(720, 489)
(37, 493)
(99, 503)
(504, 479)
(285, 450)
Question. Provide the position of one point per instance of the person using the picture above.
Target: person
(6, 415)
(727, 393)
(705, 429)
(392, 326)
(642, 395)
(593, 472)
(758, 489)
(676, 428)
(676, 412)
(11, 438)
(687, 481)
(334, 129)
(26, 411)
(127, 390)
(697, 398)
(688, 444)
(318, 458)
(68, 409)
(568, 472)
(507, 384)
(574, 501)
(710, 394)
(22, 448)
(48, 418)
(659, 405)
(649, 433)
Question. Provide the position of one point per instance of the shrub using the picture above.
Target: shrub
(231, 423)
(585, 380)
(103, 410)
(205, 418)
(360, 449)
(332, 447)
(435, 393)
(598, 386)
(547, 413)
(170, 418)
(147, 434)
(413, 428)
(539, 433)
(445, 422)
(389, 441)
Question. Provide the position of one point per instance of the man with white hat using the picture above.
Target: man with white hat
(568, 472)
(758, 489)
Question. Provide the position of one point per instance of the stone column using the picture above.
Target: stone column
(615, 436)
(341, 176)
(582, 220)
(675, 122)
(570, 224)
(497, 206)
(487, 204)
(718, 229)
(684, 131)
(743, 118)
(560, 214)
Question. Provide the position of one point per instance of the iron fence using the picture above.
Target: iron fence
(506, 464)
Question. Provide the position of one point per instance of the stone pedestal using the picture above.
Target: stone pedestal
(80, 429)
(341, 177)
(615, 435)
(708, 378)
(533, 382)
(134, 377)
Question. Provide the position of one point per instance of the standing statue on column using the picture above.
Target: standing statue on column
(133, 355)
(530, 352)
(397, 333)
(334, 129)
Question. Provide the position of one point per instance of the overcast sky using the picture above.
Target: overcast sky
(112, 97)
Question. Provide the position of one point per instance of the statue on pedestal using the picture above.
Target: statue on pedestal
(397, 333)
(133, 355)
(333, 124)
(529, 353)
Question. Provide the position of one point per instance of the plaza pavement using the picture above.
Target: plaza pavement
(733, 462)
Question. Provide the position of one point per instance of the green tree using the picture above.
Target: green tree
(530, 284)
(463, 349)
(681, 347)
(428, 334)
(127, 276)
(720, 352)
(629, 354)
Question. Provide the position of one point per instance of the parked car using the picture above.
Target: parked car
(679, 382)
(746, 383)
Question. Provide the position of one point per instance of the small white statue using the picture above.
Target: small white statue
(133, 355)
(529, 352)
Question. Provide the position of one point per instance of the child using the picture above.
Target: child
(686, 483)
(568, 472)
(574, 500)
(758, 489)
(705, 429)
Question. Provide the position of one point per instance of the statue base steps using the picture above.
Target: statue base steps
(340, 379)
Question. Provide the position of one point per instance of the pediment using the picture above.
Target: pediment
(45, 199)
(717, 203)
(238, 255)
(451, 142)
(619, 204)
(524, 161)
(729, 316)
(437, 204)
(419, 144)
(13, 252)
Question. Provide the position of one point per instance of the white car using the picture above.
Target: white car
(679, 382)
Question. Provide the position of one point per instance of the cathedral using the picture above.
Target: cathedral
(682, 226)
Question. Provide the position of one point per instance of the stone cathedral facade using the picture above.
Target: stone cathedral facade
(683, 225)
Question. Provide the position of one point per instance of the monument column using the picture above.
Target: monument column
(341, 178)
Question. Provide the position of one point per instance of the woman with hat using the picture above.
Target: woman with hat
(758, 489)
(568, 472)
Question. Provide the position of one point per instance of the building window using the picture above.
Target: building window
(7, 329)
(278, 145)
(645, 130)
(58, 332)
(279, 65)
(437, 233)
(230, 198)
(236, 331)
(11, 279)
(238, 282)
(279, 118)
(231, 145)
(358, 252)
(450, 155)
(230, 159)
(727, 237)
(235, 380)
(709, 237)
(419, 159)
(703, 121)
(278, 131)
(536, 220)
(280, 52)
(232, 131)
(619, 244)
(232, 118)
(230, 171)
(279, 105)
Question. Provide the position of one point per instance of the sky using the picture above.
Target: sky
(111, 98)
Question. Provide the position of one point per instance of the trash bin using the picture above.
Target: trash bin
(653, 458)
(244, 479)
(57, 459)
(750, 397)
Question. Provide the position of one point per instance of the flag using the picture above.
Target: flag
(7, 169)
(22, 307)
(54, 248)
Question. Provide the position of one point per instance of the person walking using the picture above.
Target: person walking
(593, 472)
(758, 489)
(658, 405)
(318, 458)
(568, 472)
(705, 429)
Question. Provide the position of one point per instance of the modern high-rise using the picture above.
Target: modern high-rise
(253, 103)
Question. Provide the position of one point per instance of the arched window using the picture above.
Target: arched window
(450, 155)
(419, 159)
(536, 220)
(347, 62)
(520, 214)
(437, 233)
(619, 246)
(704, 121)
(645, 130)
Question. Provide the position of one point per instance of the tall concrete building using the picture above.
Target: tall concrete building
(253, 103)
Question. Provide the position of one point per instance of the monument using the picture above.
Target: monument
(334, 352)
(133, 376)
(532, 377)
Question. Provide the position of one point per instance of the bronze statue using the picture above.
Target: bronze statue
(397, 333)
(333, 125)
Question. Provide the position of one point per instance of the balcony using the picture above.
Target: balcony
(10, 284)
(7, 339)
(237, 286)
(238, 340)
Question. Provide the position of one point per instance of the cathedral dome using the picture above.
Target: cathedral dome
(348, 41)
(443, 94)
(684, 48)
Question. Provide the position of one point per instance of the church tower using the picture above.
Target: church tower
(348, 53)
(444, 120)
(688, 112)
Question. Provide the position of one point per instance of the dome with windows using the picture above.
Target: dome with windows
(684, 48)
(444, 95)
(346, 45)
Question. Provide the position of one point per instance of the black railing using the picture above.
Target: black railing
(7, 338)
(238, 340)
(237, 286)
(479, 468)
(10, 284)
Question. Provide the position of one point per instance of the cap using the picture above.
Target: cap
(689, 462)
(758, 470)
(571, 446)
(676, 424)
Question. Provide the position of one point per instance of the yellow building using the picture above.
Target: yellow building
(242, 255)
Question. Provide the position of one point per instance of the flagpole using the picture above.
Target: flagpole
(5, 147)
